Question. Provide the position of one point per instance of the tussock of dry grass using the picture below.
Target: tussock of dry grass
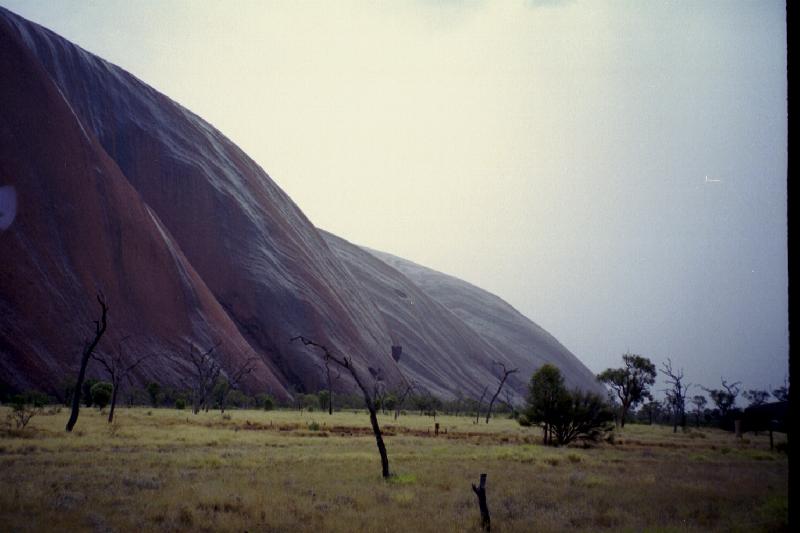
(268, 471)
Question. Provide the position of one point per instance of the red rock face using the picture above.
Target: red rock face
(122, 190)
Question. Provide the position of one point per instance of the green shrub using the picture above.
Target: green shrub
(101, 393)
(180, 403)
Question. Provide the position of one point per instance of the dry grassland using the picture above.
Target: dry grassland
(169, 470)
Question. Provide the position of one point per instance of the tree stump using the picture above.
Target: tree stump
(480, 492)
(436, 429)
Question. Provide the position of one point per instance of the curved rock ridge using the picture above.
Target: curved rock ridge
(524, 343)
(121, 189)
(257, 253)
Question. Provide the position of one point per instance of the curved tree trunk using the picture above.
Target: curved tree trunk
(100, 328)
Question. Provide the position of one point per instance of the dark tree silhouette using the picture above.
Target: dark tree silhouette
(99, 329)
(506, 373)
(782, 393)
(369, 396)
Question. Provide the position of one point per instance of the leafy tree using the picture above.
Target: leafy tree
(585, 416)
(389, 402)
(631, 382)
(324, 397)
(756, 397)
(651, 411)
(265, 401)
(547, 394)
(101, 393)
(154, 391)
(564, 415)
(86, 391)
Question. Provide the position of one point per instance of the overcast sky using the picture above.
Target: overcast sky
(614, 170)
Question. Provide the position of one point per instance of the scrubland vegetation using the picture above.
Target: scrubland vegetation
(249, 470)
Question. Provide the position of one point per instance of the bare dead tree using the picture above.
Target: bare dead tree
(99, 329)
(369, 396)
(480, 492)
(480, 402)
(506, 373)
(676, 394)
(234, 380)
(409, 387)
(205, 372)
(117, 367)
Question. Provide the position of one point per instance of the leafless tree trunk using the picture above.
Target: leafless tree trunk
(330, 386)
(117, 371)
(347, 364)
(478, 411)
(99, 328)
(506, 373)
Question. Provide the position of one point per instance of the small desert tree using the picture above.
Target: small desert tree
(100, 326)
(631, 383)
(154, 392)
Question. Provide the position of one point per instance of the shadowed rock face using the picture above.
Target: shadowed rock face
(120, 189)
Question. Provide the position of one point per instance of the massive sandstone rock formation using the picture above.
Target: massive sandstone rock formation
(120, 189)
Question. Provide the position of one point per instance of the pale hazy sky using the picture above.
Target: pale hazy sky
(555, 153)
